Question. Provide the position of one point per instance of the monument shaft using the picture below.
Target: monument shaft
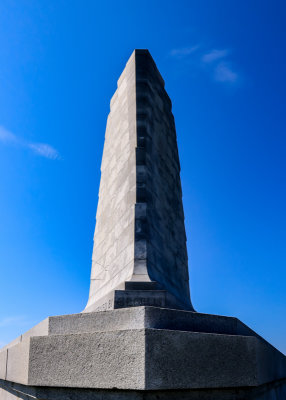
(140, 233)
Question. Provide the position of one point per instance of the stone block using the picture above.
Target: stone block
(3, 364)
(95, 360)
(18, 362)
(139, 318)
(181, 360)
(142, 349)
(144, 359)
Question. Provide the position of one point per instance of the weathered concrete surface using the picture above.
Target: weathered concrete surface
(140, 211)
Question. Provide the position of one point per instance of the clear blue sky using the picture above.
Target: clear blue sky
(224, 66)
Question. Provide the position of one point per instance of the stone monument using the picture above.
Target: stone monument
(139, 336)
(140, 239)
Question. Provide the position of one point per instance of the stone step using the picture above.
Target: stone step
(142, 359)
(136, 318)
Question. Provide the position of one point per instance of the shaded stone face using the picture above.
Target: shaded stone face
(140, 233)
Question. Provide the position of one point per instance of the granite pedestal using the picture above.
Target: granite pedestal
(141, 351)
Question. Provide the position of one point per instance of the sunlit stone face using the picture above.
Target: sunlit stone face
(140, 232)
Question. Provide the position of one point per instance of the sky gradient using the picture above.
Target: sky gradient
(224, 67)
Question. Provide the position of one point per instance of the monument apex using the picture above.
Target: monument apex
(140, 233)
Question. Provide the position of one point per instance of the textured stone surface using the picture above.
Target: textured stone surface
(18, 362)
(182, 360)
(141, 348)
(140, 211)
(101, 359)
(133, 318)
(143, 358)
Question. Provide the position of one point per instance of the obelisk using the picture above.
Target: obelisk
(139, 338)
(140, 232)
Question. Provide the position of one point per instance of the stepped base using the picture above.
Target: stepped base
(136, 294)
(141, 352)
(13, 391)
